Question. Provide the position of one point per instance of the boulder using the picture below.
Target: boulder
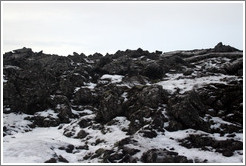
(152, 96)
(64, 113)
(54, 100)
(81, 134)
(235, 67)
(154, 71)
(188, 110)
(84, 96)
(110, 106)
(163, 156)
(119, 67)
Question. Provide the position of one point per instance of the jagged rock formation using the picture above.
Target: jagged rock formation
(142, 95)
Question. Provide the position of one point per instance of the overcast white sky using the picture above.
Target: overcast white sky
(63, 28)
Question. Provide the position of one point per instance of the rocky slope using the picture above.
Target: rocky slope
(131, 106)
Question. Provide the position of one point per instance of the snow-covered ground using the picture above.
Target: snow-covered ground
(41, 144)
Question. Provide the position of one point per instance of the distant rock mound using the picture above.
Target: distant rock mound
(224, 48)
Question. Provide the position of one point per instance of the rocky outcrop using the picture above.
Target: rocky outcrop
(223, 48)
(188, 110)
(110, 103)
(121, 107)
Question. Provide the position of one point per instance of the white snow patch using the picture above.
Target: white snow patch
(76, 89)
(15, 123)
(90, 85)
(88, 61)
(218, 121)
(114, 78)
(175, 81)
(35, 146)
(124, 95)
(12, 67)
(47, 113)
(4, 79)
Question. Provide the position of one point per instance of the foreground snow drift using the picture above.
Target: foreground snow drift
(41, 144)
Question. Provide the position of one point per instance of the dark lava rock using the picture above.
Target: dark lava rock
(68, 133)
(4, 128)
(42, 121)
(69, 148)
(113, 158)
(110, 105)
(158, 121)
(227, 153)
(136, 79)
(64, 112)
(54, 100)
(83, 123)
(62, 159)
(84, 96)
(224, 97)
(188, 72)
(223, 48)
(226, 147)
(149, 134)
(130, 151)
(187, 110)
(152, 96)
(163, 156)
(174, 125)
(154, 71)
(81, 134)
(84, 147)
(142, 104)
(120, 66)
(235, 67)
(125, 141)
(51, 160)
(197, 141)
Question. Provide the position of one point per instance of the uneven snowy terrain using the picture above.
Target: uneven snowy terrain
(132, 106)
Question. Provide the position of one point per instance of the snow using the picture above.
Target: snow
(114, 78)
(41, 144)
(218, 121)
(47, 113)
(76, 89)
(4, 79)
(15, 123)
(34, 146)
(124, 95)
(88, 61)
(90, 85)
(169, 140)
(174, 81)
(85, 111)
(11, 67)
